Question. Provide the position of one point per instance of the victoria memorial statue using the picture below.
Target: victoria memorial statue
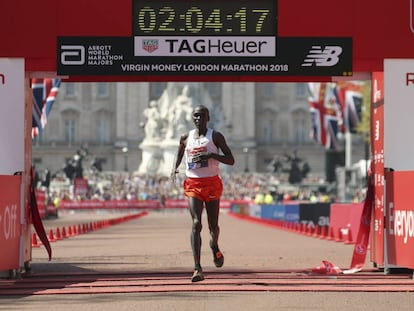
(167, 118)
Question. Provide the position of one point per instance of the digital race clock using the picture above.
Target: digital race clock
(204, 18)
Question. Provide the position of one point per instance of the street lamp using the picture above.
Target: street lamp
(125, 152)
(246, 157)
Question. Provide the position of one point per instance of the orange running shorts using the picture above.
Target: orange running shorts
(206, 189)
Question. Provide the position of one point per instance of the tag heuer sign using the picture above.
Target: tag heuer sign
(150, 45)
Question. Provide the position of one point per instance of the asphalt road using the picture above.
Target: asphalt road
(146, 264)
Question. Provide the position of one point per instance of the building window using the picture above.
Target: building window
(301, 127)
(102, 90)
(268, 132)
(267, 90)
(301, 90)
(70, 90)
(104, 130)
(70, 130)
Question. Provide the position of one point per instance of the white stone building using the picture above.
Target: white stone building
(261, 121)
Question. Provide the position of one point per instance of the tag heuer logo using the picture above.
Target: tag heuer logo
(150, 45)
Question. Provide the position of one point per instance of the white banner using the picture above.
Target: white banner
(398, 114)
(205, 46)
(12, 115)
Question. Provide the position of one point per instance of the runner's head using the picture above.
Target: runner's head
(201, 115)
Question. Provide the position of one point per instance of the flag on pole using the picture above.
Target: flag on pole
(353, 110)
(317, 131)
(350, 98)
(324, 114)
(332, 116)
(44, 96)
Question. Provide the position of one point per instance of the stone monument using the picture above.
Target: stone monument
(167, 119)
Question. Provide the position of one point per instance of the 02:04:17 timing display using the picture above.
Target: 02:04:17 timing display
(214, 17)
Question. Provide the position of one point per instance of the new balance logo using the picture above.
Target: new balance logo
(322, 57)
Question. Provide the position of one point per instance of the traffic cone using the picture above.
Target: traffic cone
(339, 237)
(70, 232)
(330, 233)
(302, 228)
(34, 240)
(58, 235)
(297, 227)
(51, 237)
(316, 231)
(309, 230)
(349, 237)
(322, 235)
(64, 235)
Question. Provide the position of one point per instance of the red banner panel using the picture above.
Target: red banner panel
(346, 217)
(377, 166)
(9, 221)
(400, 218)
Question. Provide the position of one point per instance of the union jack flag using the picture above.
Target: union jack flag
(325, 115)
(44, 95)
(350, 98)
(353, 110)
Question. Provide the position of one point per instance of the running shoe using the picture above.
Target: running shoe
(217, 256)
(197, 276)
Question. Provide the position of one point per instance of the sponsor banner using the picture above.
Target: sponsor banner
(292, 213)
(239, 208)
(255, 210)
(346, 216)
(398, 112)
(274, 211)
(158, 55)
(205, 46)
(314, 214)
(135, 204)
(10, 229)
(400, 218)
(377, 166)
(12, 118)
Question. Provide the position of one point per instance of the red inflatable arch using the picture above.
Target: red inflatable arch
(378, 30)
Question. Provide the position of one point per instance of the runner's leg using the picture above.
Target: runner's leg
(213, 209)
(196, 210)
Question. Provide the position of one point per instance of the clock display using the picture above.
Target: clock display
(204, 18)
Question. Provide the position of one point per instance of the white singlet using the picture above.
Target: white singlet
(199, 146)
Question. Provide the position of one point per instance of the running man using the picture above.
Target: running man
(203, 148)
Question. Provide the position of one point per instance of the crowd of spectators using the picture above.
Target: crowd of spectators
(261, 188)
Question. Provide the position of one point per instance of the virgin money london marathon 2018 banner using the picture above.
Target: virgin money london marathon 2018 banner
(205, 56)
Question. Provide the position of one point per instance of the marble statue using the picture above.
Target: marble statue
(166, 120)
(153, 125)
(179, 115)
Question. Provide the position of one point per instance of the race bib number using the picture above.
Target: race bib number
(193, 158)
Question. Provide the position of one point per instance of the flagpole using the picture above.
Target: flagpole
(348, 148)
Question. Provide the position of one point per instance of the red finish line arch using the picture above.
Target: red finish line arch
(30, 30)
